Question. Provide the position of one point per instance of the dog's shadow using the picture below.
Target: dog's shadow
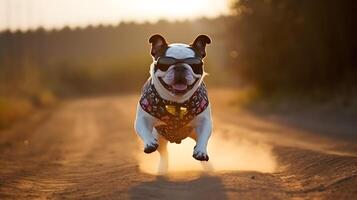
(204, 187)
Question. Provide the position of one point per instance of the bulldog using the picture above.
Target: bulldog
(174, 103)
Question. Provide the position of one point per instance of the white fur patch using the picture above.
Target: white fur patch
(179, 51)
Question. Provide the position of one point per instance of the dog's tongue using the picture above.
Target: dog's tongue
(179, 86)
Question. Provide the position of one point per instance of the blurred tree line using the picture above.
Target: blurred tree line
(299, 47)
(92, 60)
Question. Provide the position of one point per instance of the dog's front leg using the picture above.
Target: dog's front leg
(203, 131)
(144, 124)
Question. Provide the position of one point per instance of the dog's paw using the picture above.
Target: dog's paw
(151, 146)
(200, 154)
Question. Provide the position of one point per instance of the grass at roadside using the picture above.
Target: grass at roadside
(16, 108)
(285, 100)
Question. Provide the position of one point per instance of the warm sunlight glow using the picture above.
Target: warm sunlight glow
(177, 9)
(226, 154)
(25, 14)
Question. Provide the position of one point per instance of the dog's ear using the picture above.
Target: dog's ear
(158, 45)
(200, 44)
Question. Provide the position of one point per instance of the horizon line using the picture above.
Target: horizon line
(109, 24)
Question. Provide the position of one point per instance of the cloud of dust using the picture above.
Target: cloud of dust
(226, 154)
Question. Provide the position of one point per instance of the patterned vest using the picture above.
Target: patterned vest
(175, 115)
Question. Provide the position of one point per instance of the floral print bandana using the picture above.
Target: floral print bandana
(175, 116)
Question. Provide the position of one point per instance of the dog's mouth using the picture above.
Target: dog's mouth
(178, 88)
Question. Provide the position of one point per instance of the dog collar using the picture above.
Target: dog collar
(175, 115)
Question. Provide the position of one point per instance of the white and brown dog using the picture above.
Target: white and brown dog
(174, 103)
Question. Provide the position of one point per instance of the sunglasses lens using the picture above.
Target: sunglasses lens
(196, 65)
(164, 63)
(198, 69)
(193, 61)
(162, 67)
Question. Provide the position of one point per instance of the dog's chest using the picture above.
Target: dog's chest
(176, 116)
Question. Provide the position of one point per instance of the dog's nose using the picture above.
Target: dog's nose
(180, 74)
(179, 69)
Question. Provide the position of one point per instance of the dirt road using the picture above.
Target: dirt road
(87, 149)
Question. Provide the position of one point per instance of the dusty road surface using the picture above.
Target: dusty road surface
(87, 149)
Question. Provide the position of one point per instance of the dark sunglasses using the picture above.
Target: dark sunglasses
(163, 63)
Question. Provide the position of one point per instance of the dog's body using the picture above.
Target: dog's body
(176, 91)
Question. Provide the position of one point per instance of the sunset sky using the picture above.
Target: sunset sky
(31, 14)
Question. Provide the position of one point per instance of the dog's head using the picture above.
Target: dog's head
(177, 68)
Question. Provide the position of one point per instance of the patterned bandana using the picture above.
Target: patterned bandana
(175, 115)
